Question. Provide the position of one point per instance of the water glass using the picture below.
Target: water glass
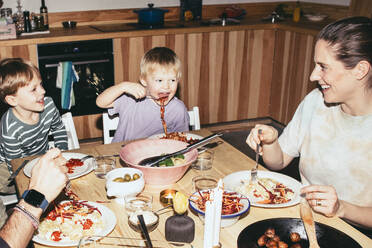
(103, 165)
(204, 161)
(204, 182)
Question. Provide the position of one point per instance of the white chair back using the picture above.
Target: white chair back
(72, 139)
(110, 123)
(194, 118)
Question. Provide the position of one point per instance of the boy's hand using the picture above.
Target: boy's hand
(134, 89)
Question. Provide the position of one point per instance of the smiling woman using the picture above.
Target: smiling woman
(331, 126)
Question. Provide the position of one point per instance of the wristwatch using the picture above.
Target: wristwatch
(35, 198)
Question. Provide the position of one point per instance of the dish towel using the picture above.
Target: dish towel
(212, 221)
(66, 76)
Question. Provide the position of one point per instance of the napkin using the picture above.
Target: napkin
(212, 221)
(66, 76)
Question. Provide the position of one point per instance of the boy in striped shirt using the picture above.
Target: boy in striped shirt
(31, 117)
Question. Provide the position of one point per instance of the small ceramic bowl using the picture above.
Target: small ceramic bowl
(69, 24)
(226, 220)
(117, 188)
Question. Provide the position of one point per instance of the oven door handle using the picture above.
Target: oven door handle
(81, 62)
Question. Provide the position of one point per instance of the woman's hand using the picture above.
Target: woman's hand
(267, 136)
(322, 199)
(135, 89)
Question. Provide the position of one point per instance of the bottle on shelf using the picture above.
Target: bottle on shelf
(297, 12)
(27, 22)
(44, 14)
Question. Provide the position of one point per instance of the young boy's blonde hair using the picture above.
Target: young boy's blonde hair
(160, 56)
(14, 74)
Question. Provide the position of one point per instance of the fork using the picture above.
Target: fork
(254, 170)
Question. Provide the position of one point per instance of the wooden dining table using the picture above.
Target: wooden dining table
(227, 160)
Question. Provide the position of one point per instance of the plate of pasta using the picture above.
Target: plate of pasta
(69, 221)
(75, 167)
(272, 190)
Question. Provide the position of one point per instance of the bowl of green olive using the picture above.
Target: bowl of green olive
(121, 182)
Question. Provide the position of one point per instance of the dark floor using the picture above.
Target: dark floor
(238, 132)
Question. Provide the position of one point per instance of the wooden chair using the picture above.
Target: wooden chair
(110, 123)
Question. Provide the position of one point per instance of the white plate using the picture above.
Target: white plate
(233, 180)
(109, 220)
(78, 171)
(188, 136)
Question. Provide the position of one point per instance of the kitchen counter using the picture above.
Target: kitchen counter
(105, 31)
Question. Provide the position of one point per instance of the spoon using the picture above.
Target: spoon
(144, 229)
(151, 161)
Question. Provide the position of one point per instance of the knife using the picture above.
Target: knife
(11, 178)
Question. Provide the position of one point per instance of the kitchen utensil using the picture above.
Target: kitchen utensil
(151, 161)
(327, 235)
(209, 146)
(254, 170)
(86, 157)
(144, 230)
(307, 219)
(13, 176)
(69, 24)
(151, 16)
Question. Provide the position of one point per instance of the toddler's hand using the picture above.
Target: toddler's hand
(134, 89)
(268, 136)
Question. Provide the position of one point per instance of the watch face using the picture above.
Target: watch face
(34, 198)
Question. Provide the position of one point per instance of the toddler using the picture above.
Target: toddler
(138, 104)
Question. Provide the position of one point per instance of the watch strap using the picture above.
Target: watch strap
(43, 205)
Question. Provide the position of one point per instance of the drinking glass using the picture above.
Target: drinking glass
(203, 182)
(204, 161)
(102, 165)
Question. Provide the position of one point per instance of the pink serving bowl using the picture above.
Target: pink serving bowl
(135, 151)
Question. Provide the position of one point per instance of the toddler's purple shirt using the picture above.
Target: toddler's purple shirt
(141, 118)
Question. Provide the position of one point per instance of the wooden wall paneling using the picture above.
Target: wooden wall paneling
(193, 70)
(291, 73)
(88, 126)
(177, 43)
(360, 8)
(215, 61)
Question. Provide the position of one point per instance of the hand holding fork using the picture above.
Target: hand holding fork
(254, 170)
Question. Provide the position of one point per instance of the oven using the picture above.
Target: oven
(93, 63)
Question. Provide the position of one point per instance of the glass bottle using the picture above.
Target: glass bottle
(44, 14)
(297, 12)
(27, 22)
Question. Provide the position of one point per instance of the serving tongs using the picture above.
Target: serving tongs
(151, 161)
